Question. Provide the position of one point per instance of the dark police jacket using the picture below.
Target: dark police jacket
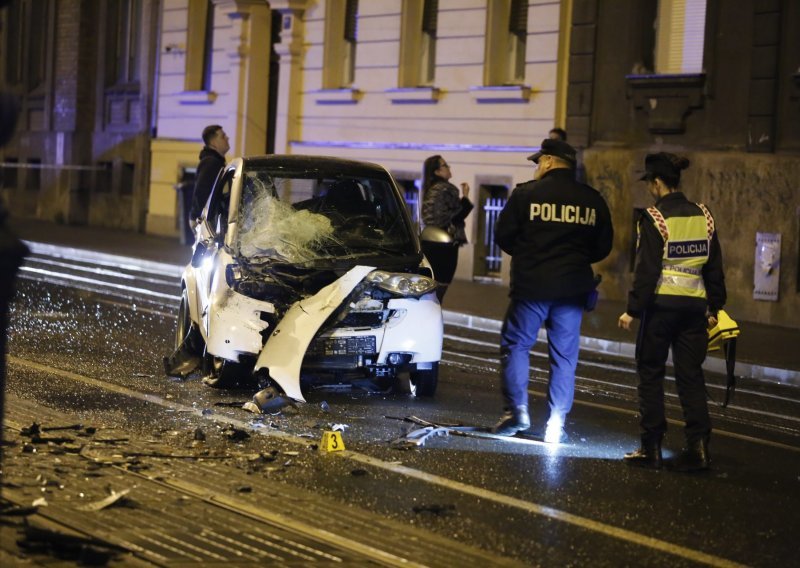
(554, 229)
(650, 260)
(211, 162)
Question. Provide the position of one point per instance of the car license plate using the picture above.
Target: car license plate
(327, 346)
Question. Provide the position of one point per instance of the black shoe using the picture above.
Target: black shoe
(648, 455)
(694, 458)
(513, 421)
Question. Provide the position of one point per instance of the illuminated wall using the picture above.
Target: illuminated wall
(395, 106)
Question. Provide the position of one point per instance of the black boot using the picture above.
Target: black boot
(648, 455)
(513, 421)
(694, 458)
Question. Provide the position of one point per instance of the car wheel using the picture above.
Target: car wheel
(419, 383)
(426, 380)
(186, 333)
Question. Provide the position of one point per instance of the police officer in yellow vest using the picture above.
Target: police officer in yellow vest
(678, 287)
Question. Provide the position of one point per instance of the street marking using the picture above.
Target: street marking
(627, 370)
(433, 479)
(102, 271)
(669, 420)
(73, 278)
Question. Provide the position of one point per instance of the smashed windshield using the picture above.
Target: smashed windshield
(307, 216)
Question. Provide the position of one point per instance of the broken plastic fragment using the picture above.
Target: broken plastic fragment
(103, 503)
(267, 401)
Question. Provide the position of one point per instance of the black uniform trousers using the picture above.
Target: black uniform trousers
(444, 259)
(685, 332)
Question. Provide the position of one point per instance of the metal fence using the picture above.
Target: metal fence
(491, 211)
(412, 203)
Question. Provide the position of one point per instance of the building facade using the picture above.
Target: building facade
(732, 107)
(387, 81)
(116, 94)
(83, 71)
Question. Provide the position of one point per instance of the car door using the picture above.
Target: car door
(215, 223)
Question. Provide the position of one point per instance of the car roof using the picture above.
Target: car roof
(326, 164)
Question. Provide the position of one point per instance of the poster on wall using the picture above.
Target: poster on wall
(766, 280)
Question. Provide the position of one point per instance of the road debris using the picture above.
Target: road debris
(418, 436)
(115, 497)
(435, 509)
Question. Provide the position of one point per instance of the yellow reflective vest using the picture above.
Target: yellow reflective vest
(687, 241)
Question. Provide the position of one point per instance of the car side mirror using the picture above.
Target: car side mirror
(199, 254)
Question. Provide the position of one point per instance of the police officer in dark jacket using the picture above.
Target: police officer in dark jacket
(554, 228)
(678, 287)
(212, 160)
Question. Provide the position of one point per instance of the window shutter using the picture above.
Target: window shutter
(351, 21)
(518, 19)
(430, 12)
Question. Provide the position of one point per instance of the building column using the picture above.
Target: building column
(290, 51)
(249, 64)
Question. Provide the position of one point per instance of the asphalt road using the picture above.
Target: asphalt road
(88, 341)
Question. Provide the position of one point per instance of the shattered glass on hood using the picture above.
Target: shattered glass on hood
(274, 228)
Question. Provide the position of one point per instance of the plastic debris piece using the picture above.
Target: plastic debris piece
(358, 472)
(107, 502)
(324, 406)
(436, 509)
(268, 401)
(40, 502)
(31, 430)
(339, 427)
(235, 434)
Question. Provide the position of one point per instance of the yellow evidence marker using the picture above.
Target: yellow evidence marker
(332, 442)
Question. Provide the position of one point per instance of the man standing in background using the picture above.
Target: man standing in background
(212, 160)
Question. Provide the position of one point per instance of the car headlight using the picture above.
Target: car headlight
(413, 285)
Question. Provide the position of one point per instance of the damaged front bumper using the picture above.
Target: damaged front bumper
(356, 323)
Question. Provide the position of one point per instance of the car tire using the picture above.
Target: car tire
(419, 383)
(187, 335)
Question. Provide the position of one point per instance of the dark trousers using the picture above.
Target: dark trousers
(686, 334)
(443, 258)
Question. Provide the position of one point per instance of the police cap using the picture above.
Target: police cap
(660, 166)
(557, 148)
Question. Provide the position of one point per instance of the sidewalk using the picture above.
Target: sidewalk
(764, 352)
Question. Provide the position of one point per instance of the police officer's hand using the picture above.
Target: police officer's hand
(712, 320)
(625, 321)
(465, 189)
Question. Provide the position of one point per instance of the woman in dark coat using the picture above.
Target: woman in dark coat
(444, 207)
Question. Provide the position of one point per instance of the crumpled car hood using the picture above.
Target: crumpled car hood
(283, 353)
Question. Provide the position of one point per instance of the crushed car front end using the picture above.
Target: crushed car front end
(317, 274)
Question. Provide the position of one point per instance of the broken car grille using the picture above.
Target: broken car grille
(362, 319)
(327, 346)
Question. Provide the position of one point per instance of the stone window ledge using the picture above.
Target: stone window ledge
(667, 99)
(337, 96)
(413, 95)
(197, 97)
(501, 94)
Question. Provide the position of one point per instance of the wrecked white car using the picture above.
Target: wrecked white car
(307, 270)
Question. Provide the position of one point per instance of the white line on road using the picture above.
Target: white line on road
(619, 368)
(103, 271)
(73, 278)
(527, 506)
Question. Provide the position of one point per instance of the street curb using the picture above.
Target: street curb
(592, 344)
(627, 350)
